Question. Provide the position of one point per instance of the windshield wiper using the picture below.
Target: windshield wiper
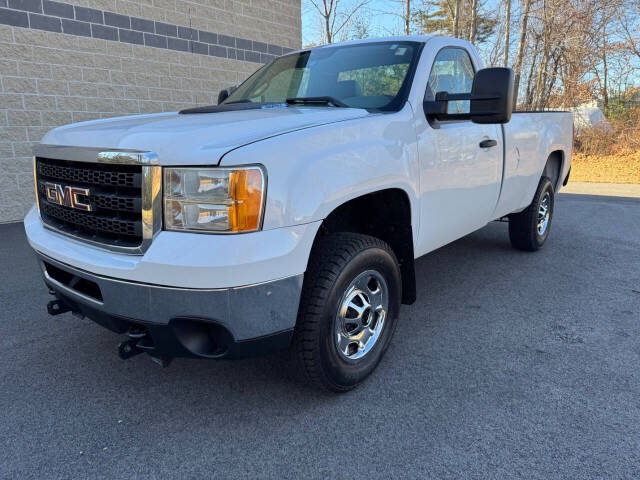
(316, 101)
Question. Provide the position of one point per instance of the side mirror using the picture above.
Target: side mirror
(492, 96)
(222, 96)
(491, 99)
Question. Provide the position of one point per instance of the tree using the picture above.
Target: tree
(632, 42)
(407, 17)
(507, 28)
(564, 52)
(569, 52)
(359, 27)
(607, 24)
(401, 9)
(474, 21)
(630, 26)
(517, 67)
(335, 16)
(439, 16)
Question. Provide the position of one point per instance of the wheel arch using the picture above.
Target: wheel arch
(384, 214)
(554, 167)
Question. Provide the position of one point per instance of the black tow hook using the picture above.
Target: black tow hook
(57, 307)
(139, 341)
(128, 349)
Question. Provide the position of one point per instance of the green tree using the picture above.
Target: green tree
(438, 16)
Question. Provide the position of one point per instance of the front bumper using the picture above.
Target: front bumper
(226, 322)
(187, 260)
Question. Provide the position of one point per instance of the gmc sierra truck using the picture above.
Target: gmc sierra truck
(290, 214)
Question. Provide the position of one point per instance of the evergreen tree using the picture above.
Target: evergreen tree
(438, 16)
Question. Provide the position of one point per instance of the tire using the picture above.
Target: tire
(346, 272)
(529, 229)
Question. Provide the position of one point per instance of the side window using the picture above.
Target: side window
(452, 72)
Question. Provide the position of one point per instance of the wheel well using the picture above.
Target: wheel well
(553, 167)
(385, 214)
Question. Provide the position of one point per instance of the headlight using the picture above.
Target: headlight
(225, 200)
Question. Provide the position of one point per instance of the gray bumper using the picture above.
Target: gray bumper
(247, 312)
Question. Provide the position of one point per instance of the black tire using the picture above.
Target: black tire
(336, 261)
(523, 226)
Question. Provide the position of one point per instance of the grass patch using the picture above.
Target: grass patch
(609, 154)
(622, 167)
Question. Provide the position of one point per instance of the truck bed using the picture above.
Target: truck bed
(529, 139)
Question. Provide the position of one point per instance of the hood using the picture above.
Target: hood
(195, 139)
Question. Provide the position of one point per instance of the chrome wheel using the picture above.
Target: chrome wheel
(543, 214)
(361, 316)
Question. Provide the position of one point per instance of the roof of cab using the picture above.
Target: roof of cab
(398, 38)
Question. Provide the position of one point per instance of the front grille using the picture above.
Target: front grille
(115, 198)
(91, 174)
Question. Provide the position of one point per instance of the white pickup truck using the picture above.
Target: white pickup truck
(290, 214)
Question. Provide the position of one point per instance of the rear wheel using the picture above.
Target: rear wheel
(350, 300)
(529, 229)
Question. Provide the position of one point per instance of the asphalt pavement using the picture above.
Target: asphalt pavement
(509, 365)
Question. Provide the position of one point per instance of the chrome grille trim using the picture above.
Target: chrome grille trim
(97, 155)
(151, 187)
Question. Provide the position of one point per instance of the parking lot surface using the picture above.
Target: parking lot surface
(509, 365)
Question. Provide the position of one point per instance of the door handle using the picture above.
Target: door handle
(488, 143)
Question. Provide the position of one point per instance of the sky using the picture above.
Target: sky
(381, 23)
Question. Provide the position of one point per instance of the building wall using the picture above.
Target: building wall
(71, 62)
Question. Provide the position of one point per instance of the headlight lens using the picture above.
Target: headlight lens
(226, 200)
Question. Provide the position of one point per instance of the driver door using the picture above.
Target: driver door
(460, 180)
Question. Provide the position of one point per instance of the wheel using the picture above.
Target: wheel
(348, 309)
(529, 229)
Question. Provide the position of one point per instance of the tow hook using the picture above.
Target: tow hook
(57, 307)
(128, 349)
(139, 342)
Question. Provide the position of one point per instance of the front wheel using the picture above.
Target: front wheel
(529, 229)
(349, 304)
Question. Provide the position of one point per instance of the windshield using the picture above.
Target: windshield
(368, 75)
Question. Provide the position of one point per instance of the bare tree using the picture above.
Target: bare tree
(407, 17)
(610, 29)
(335, 16)
(456, 19)
(517, 67)
(630, 26)
(358, 27)
(633, 44)
(568, 51)
(605, 72)
(400, 9)
(507, 28)
(473, 28)
(533, 61)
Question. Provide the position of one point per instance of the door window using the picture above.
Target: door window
(452, 72)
